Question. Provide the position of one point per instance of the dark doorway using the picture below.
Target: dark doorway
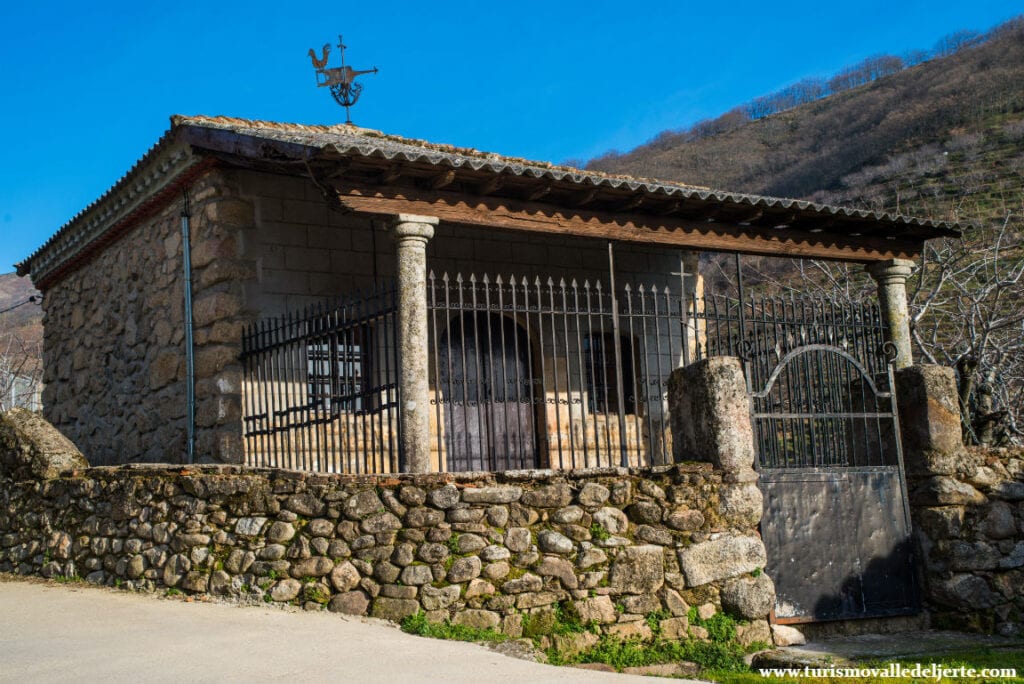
(488, 389)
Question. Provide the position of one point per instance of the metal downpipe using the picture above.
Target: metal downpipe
(190, 375)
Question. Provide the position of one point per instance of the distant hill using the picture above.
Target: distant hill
(944, 138)
(21, 329)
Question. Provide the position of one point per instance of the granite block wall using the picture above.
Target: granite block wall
(612, 546)
(967, 506)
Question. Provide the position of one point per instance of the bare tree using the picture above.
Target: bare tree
(955, 42)
(967, 308)
(20, 374)
(966, 301)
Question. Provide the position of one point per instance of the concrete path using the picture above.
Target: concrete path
(927, 646)
(75, 633)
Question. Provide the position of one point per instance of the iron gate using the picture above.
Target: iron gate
(836, 520)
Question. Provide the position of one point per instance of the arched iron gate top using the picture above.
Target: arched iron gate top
(807, 349)
(821, 407)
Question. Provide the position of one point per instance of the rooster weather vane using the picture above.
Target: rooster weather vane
(341, 80)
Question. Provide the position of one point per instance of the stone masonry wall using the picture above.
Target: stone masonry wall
(223, 221)
(114, 329)
(967, 507)
(970, 527)
(614, 546)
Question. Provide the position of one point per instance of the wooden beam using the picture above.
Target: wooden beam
(631, 203)
(442, 180)
(339, 168)
(509, 214)
(535, 193)
(391, 174)
(823, 225)
(782, 222)
(584, 199)
(750, 218)
(670, 208)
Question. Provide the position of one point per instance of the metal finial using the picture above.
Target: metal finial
(341, 80)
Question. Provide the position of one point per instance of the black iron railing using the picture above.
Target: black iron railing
(766, 328)
(552, 373)
(321, 390)
(538, 373)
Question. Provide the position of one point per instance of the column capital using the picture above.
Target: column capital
(895, 271)
(891, 278)
(404, 226)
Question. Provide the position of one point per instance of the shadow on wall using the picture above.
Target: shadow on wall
(886, 586)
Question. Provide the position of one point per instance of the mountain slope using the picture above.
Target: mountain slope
(813, 150)
(942, 140)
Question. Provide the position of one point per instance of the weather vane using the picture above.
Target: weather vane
(341, 80)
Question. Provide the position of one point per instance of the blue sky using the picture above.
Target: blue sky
(88, 87)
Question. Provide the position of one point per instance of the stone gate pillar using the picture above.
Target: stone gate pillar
(710, 413)
(891, 277)
(411, 234)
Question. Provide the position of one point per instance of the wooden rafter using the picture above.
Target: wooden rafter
(490, 185)
(585, 199)
(632, 203)
(670, 208)
(750, 218)
(537, 192)
(442, 180)
(391, 174)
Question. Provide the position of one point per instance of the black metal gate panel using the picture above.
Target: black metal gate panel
(321, 387)
(836, 521)
(553, 373)
(489, 418)
(838, 544)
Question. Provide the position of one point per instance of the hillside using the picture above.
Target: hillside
(959, 116)
(943, 139)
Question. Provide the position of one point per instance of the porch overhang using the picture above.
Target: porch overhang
(365, 171)
(506, 213)
(371, 173)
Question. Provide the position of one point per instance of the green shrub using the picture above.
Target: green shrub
(620, 653)
(721, 628)
(418, 624)
(558, 620)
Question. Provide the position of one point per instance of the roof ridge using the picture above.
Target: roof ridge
(228, 122)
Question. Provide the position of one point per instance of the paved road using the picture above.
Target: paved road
(75, 633)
